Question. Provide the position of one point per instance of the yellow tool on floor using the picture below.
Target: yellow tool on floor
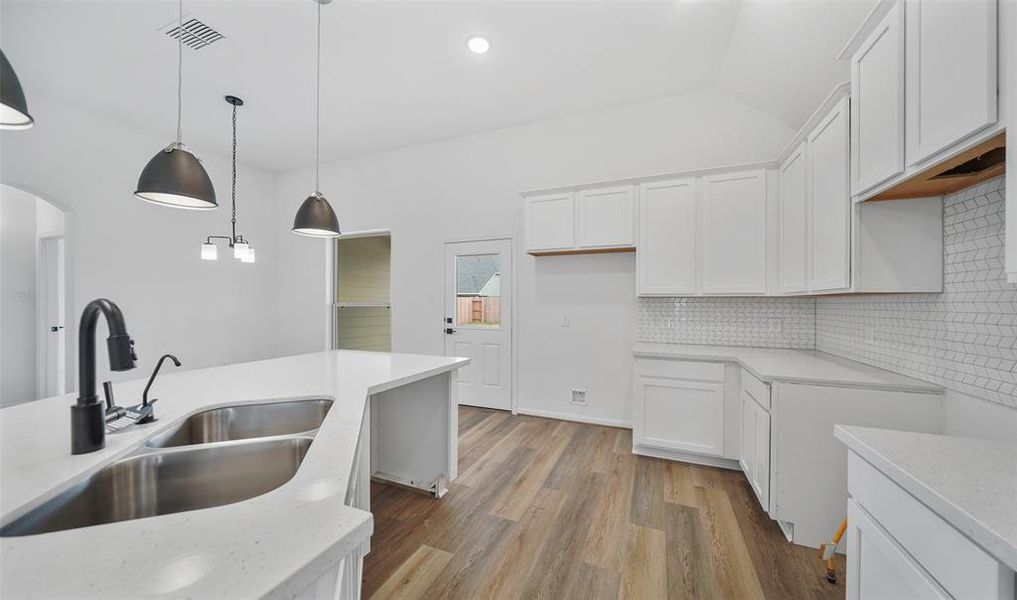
(827, 552)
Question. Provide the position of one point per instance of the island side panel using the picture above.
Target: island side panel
(413, 434)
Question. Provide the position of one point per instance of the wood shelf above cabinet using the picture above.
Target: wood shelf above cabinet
(975, 165)
(579, 251)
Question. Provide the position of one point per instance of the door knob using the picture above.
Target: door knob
(449, 330)
(56, 328)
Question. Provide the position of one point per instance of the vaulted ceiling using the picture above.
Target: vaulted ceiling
(397, 73)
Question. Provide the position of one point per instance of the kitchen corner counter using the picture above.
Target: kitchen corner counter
(792, 366)
(970, 483)
(272, 545)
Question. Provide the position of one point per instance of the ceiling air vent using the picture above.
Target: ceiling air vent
(194, 34)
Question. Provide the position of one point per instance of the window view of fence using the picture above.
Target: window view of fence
(478, 290)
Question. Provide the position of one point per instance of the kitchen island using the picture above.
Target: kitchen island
(392, 416)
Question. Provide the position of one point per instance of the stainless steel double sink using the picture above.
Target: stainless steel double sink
(214, 457)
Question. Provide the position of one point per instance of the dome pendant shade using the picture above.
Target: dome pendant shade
(315, 218)
(174, 177)
(13, 106)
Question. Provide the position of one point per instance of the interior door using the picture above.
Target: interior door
(51, 269)
(478, 319)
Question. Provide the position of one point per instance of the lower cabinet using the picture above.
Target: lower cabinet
(897, 547)
(676, 414)
(755, 437)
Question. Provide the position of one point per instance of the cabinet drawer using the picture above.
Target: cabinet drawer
(962, 568)
(678, 369)
(756, 389)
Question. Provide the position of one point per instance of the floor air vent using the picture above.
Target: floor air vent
(195, 34)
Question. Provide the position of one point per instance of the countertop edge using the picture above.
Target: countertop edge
(968, 525)
(733, 357)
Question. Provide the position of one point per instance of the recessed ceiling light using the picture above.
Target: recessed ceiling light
(478, 44)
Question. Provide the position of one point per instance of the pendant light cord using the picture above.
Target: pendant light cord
(234, 221)
(180, 64)
(317, 112)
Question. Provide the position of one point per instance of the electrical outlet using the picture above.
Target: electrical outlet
(579, 397)
(565, 321)
(23, 295)
(774, 325)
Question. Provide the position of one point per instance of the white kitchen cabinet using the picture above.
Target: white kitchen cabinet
(747, 445)
(794, 222)
(550, 222)
(829, 202)
(733, 232)
(878, 567)
(666, 260)
(755, 438)
(679, 409)
(682, 415)
(605, 217)
(877, 101)
(950, 73)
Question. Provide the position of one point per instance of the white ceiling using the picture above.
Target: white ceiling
(398, 73)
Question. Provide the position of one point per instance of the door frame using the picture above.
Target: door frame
(331, 341)
(513, 298)
(70, 260)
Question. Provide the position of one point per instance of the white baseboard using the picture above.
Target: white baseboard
(577, 418)
(687, 457)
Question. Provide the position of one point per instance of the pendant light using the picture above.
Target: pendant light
(13, 106)
(174, 177)
(315, 217)
(242, 249)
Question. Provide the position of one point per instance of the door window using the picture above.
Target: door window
(478, 290)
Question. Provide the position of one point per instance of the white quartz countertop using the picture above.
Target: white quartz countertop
(273, 545)
(972, 484)
(798, 366)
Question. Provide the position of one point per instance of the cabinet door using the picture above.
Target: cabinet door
(606, 217)
(747, 459)
(830, 202)
(550, 222)
(666, 259)
(733, 232)
(761, 469)
(877, 104)
(675, 414)
(878, 567)
(793, 222)
(951, 73)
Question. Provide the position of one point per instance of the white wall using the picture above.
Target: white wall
(469, 188)
(145, 257)
(17, 296)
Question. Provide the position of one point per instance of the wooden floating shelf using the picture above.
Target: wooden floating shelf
(975, 165)
(580, 251)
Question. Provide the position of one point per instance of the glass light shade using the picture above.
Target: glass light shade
(13, 108)
(174, 177)
(249, 257)
(209, 252)
(240, 250)
(315, 218)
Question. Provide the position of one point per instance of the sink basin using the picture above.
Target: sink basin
(246, 421)
(160, 483)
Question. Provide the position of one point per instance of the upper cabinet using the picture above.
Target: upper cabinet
(733, 232)
(829, 202)
(794, 222)
(877, 100)
(666, 260)
(925, 115)
(605, 217)
(950, 73)
(551, 222)
(589, 220)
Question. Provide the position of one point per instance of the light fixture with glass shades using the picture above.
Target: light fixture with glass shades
(242, 249)
(13, 106)
(174, 177)
(315, 217)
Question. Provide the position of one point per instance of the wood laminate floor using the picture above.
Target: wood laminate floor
(554, 509)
